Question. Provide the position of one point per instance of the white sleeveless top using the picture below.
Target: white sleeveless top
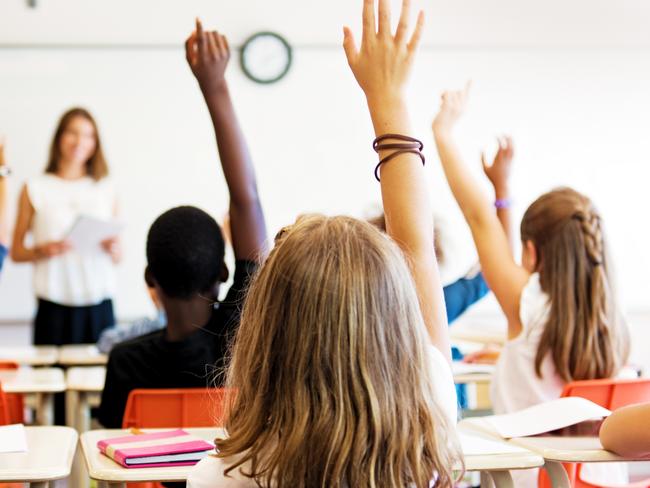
(72, 278)
(515, 384)
(209, 472)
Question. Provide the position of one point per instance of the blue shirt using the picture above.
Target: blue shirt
(3, 255)
(462, 294)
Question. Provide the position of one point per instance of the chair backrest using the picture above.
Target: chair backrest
(12, 404)
(4, 408)
(611, 393)
(178, 407)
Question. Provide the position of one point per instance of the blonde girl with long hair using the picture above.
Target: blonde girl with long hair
(340, 373)
(563, 322)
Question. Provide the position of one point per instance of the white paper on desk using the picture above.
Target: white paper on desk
(459, 367)
(87, 233)
(546, 417)
(13, 438)
(480, 446)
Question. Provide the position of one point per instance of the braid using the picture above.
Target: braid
(593, 235)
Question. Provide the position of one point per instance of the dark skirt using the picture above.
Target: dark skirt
(57, 324)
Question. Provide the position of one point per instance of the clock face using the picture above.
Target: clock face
(266, 57)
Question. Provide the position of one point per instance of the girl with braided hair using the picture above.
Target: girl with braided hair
(563, 322)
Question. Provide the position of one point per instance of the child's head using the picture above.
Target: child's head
(564, 241)
(76, 142)
(331, 368)
(185, 253)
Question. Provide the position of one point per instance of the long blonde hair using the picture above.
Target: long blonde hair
(584, 335)
(330, 368)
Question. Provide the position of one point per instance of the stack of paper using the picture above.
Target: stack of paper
(167, 448)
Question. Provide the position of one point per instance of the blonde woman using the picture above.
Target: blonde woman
(341, 361)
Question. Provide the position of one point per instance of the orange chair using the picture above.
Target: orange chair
(4, 408)
(15, 405)
(611, 394)
(178, 407)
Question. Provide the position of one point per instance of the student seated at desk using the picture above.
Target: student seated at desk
(340, 372)
(627, 431)
(185, 264)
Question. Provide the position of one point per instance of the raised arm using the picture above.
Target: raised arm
(504, 277)
(627, 431)
(4, 224)
(208, 54)
(499, 175)
(382, 67)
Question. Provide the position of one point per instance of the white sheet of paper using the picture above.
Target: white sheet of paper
(546, 417)
(459, 367)
(87, 233)
(480, 446)
(13, 438)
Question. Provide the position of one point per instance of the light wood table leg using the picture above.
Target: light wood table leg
(486, 480)
(557, 474)
(45, 409)
(39, 484)
(502, 479)
(71, 400)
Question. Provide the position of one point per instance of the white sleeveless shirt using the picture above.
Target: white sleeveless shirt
(515, 384)
(72, 278)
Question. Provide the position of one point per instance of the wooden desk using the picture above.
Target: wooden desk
(84, 385)
(558, 449)
(30, 355)
(81, 355)
(494, 467)
(554, 449)
(49, 457)
(41, 382)
(108, 472)
(495, 459)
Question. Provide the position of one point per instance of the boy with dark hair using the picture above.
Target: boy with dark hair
(185, 255)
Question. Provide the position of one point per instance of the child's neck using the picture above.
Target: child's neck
(184, 317)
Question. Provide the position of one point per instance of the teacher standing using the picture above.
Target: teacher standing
(73, 289)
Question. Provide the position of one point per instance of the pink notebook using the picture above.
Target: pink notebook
(167, 448)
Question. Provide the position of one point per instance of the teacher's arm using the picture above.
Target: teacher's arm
(20, 253)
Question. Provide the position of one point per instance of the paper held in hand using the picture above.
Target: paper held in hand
(546, 417)
(87, 233)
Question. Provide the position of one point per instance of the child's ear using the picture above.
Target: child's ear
(224, 274)
(148, 278)
(532, 258)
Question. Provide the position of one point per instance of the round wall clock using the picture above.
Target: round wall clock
(266, 57)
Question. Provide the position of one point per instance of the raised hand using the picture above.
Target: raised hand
(383, 64)
(499, 171)
(452, 106)
(207, 53)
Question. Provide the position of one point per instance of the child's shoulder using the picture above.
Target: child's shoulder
(209, 473)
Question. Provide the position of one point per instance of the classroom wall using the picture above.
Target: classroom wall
(569, 81)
